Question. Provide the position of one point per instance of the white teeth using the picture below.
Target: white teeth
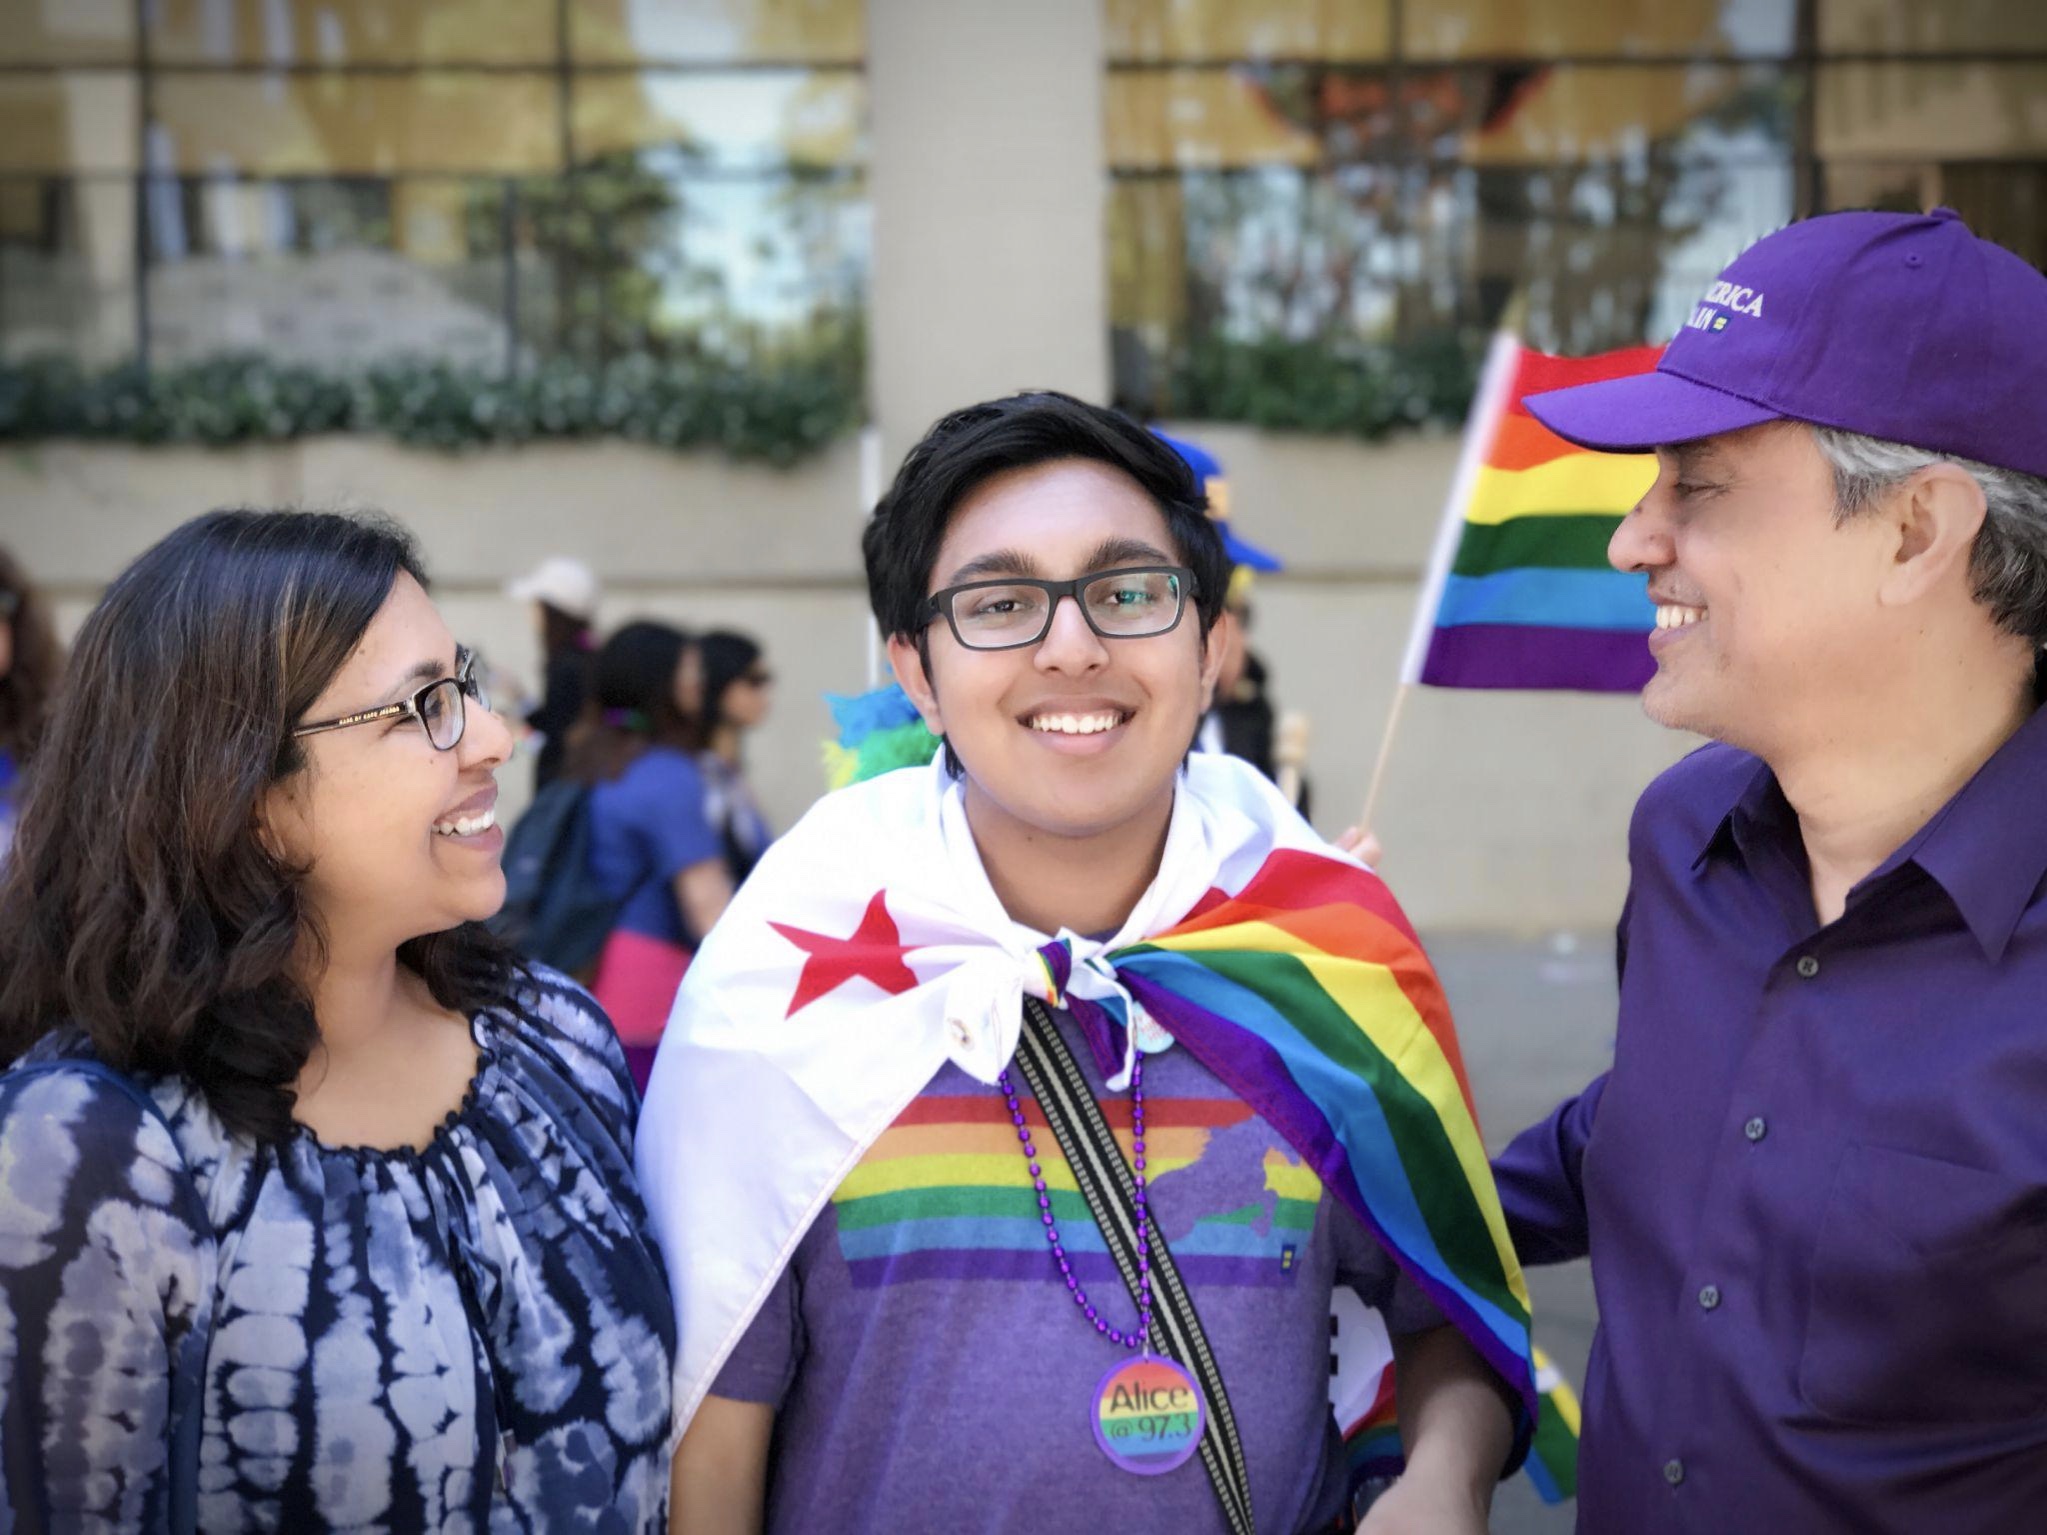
(467, 826)
(1076, 724)
(1671, 615)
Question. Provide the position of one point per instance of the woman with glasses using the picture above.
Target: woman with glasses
(738, 691)
(317, 1208)
(29, 663)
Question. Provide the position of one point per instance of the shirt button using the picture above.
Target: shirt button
(1673, 1471)
(1755, 1129)
(1808, 967)
(1709, 1297)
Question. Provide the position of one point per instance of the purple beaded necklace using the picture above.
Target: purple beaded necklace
(1139, 1336)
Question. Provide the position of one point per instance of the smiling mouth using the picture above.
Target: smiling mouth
(1676, 615)
(467, 825)
(1091, 723)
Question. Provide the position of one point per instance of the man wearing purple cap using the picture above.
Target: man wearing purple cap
(1814, 1184)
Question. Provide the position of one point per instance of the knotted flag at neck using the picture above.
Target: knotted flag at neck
(868, 949)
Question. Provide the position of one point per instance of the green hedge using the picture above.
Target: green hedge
(779, 414)
(1312, 386)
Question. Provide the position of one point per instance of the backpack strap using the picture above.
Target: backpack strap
(188, 1372)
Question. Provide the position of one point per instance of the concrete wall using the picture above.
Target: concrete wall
(1501, 811)
(989, 204)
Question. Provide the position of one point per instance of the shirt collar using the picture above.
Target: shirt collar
(1986, 847)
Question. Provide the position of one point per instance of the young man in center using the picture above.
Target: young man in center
(901, 1306)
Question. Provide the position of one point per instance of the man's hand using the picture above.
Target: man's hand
(1412, 1506)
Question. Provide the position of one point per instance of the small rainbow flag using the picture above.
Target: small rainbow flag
(1519, 593)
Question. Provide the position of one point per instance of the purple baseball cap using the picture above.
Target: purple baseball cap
(1895, 325)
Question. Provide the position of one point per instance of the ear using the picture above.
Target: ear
(906, 660)
(1934, 520)
(1214, 648)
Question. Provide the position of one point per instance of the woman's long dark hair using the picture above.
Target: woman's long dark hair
(31, 676)
(632, 702)
(140, 903)
(728, 656)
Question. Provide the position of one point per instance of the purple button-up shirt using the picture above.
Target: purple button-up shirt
(1814, 1184)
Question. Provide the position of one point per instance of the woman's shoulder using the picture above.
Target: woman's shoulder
(567, 1033)
(74, 1134)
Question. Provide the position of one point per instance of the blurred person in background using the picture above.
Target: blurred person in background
(319, 1210)
(564, 596)
(30, 661)
(652, 845)
(737, 698)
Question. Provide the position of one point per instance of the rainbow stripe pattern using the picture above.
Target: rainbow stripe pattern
(942, 1194)
(1308, 994)
(1520, 594)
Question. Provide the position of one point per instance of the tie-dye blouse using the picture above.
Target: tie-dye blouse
(476, 1336)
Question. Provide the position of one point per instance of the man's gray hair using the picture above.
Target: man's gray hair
(2007, 566)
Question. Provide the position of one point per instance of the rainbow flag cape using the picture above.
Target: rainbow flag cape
(1309, 995)
(1519, 593)
(868, 949)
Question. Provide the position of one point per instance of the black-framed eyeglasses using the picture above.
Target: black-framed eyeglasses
(1133, 603)
(439, 707)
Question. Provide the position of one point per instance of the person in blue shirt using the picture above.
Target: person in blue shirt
(29, 663)
(652, 845)
(738, 691)
(317, 1208)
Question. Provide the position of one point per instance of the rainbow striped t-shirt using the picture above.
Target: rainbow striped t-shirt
(931, 1372)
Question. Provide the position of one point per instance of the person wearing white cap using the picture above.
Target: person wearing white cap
(564, 593)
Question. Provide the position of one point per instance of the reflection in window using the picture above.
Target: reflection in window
(67, 268)
(340, 124)
(1485, 29)
(1171, 31)
(1887, 26)
(67, 121)
(754, 121)
(327, 272)
(1356, 212)
(61, 32)
(717, 31)
(344, 32)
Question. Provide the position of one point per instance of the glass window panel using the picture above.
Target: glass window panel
(718, 31)
(1454, 29)
(1168, 30)
(328, 273)
(1601, 255)
(1887, 26)
(61, 122)
(1932, 111)
(355, 124)
(1624, 111)
(732, 121)
(1157, 119)
(2004, 201)
(353, 31)
(67, 268)
(67, 31)
(650, 255)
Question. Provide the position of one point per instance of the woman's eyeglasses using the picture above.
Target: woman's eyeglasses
(1130, 604)
(439, 707)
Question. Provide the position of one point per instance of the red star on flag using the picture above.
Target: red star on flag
(873, 952)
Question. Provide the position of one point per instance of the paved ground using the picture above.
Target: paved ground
(1536, 1020)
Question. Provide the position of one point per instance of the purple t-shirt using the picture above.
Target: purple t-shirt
(647, 826)
(930, 1372)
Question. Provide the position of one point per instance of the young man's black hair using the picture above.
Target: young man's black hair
(971, 446)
